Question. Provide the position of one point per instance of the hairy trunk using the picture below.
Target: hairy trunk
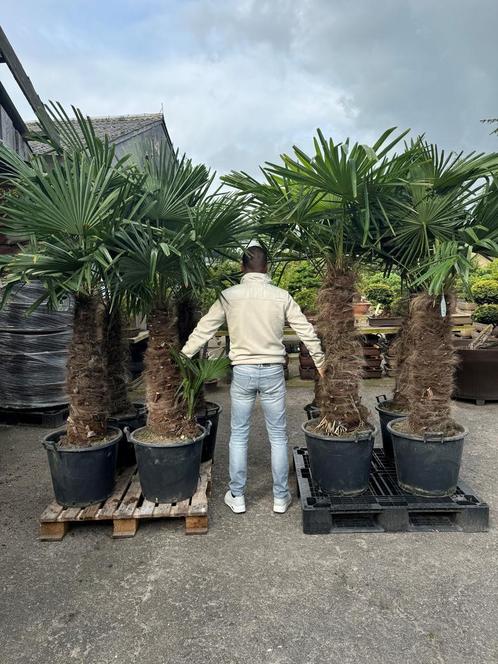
(86, 381)
(340, 402)
(117, 358)
(187, 320)
(431, 364)
(401, 348)
(166, 415)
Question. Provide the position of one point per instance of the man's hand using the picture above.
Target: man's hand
(321, 372)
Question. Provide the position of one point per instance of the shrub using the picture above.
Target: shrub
(301, 276)
(380, 293)
(399, 306)
(487, 314)
(306, 298)
(485, 291)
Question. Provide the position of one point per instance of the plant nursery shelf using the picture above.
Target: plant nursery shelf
(385, 507)
(127, 506)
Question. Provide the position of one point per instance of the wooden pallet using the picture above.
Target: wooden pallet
(127, 505)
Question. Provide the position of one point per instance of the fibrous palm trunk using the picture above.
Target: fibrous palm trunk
(86, 382)
(187, 320)
(340, 402)
(117, 357)
(430, 365)
(166, 415)
(401, 348)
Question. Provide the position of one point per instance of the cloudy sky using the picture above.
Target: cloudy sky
(241, 81)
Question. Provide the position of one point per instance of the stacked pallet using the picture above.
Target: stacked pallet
(372, 357)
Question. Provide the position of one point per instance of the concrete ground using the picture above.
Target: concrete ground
(255, 589)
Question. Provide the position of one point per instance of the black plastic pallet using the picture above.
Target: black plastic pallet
(384, 507)
(50, 418)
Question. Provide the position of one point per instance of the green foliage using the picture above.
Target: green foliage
(485, 291)
(306, 299)
(222, 274)
(303, 276)
(487, 314)
(379, 293)
(399, 306)
(194, 373)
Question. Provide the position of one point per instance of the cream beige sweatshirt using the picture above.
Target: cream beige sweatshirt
(256, 312)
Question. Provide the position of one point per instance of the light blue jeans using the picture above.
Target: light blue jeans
(268, 380)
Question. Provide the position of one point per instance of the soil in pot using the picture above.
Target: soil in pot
(388, 413)
(168, 469)
(340, 465)
(427, 465)
(82, 476)
(210, 413)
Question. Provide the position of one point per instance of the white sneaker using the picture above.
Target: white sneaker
(236, 503)
(280, 505)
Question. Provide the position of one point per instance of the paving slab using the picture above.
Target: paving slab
(255, 589)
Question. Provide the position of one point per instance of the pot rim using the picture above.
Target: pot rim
(54, 444)
(379, 408)
(180, 443)
(437, 437)
(360, 437)
(214, 406)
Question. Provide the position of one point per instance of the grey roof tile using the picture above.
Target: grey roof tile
(115, 127)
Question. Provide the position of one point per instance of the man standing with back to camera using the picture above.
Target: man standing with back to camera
(256, 312)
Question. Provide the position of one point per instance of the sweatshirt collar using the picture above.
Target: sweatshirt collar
(256, 277)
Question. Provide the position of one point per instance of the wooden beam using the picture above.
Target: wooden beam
(10, 58)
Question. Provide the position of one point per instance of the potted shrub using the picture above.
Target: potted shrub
(337, 194)
(69, 205)
(160, 258)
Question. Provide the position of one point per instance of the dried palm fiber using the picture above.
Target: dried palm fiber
(165, 413)
(431, 366)
(86, 376)
(340, 402)
(117, 356)
(401, 348)
(188, 317)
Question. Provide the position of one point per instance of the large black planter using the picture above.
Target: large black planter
(476, 376)
(340, 466)
(210, 413)
(427, 466)
(128, 422)
(169, 472)
(386, 416)
(82, 476)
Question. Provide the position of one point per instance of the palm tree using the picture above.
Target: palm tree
(446, 213)
(333, 204)
(166, 255)
(64, 209)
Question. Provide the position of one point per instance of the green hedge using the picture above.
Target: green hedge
(486, 313)
(485, 291)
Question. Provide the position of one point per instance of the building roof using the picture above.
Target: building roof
(117, 128)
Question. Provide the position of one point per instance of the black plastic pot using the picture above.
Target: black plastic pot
(130, 422)
(311, 411)
(169, 472)
(82, 476)
(211, 413)
(427, 466)
(386, 416)
(340, 466)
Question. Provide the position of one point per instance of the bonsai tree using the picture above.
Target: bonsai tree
(64, 209)
(163, 257)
